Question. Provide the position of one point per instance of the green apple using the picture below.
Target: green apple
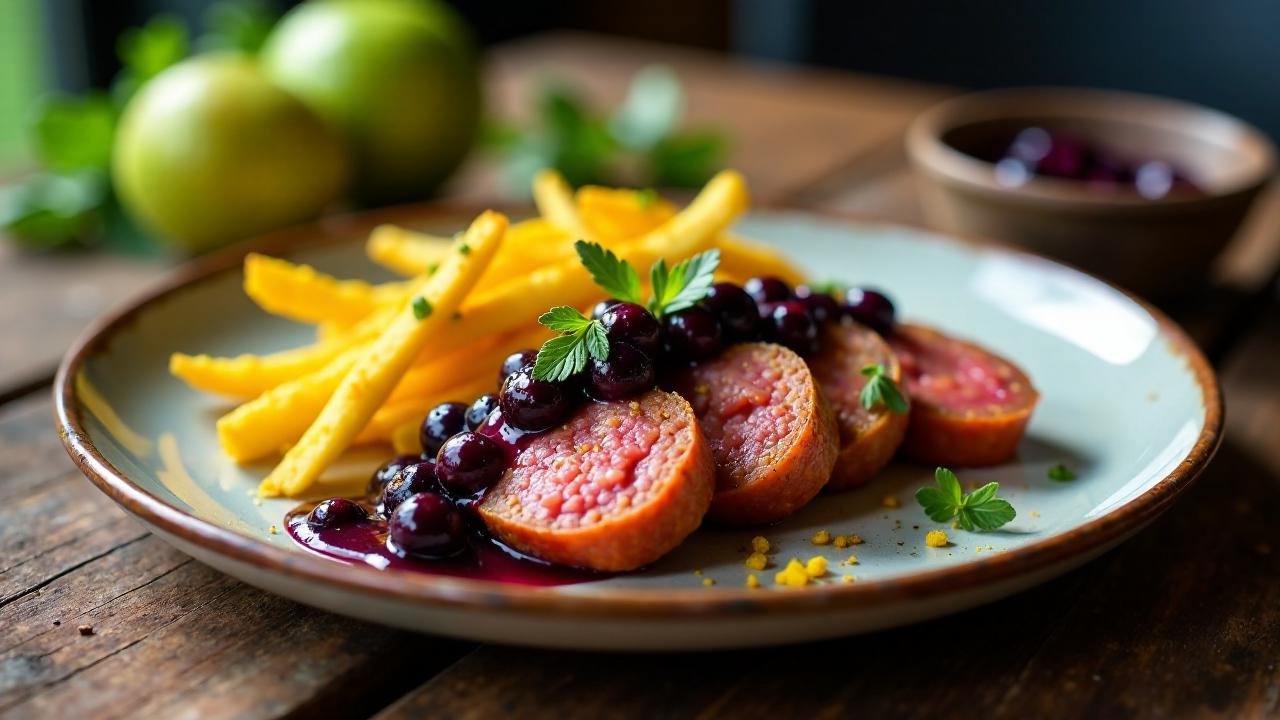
(210, 151)
(398, 77)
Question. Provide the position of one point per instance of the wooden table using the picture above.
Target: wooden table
(1184, 619)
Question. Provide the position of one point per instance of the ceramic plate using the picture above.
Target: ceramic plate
(1128, 402)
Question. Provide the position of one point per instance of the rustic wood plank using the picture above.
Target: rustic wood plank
(787, 125)
(49, 299)
(171, 636)
(1184, 619)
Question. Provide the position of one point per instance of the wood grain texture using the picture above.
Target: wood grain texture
(171, 637)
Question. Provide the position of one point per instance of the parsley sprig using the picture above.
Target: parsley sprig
(561, 357)
(674, 289)
(979, 510)
(881, 390)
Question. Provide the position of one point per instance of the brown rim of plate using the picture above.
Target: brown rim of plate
(430, 590)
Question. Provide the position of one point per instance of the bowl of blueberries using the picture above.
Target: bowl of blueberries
(1144, 191)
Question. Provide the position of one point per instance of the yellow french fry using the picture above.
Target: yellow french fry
(247, 376)
(747, 258)
(555, 202)
(487, 354)
(301, 293)
(613, 215)
(411, 411)
(406, 252)
(519, 302)
(278, 417)
(384, 361)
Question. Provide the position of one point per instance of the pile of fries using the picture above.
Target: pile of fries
(387, 353)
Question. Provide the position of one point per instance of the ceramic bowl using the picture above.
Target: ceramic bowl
(1159, 248)
(1127, 402)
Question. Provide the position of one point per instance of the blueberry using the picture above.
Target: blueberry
(336, 512)
(383, 475)
(515, 362)
(480, 409)
(791, 324)
(442, 422)
(820, 305)
(735, 310)
(871, 308)
(767, 289)
(427, 525)
(626, 372)
(692, 334)
(469, 463)
(532, 404)
(631, 324)
(600, 308)
(411, 480)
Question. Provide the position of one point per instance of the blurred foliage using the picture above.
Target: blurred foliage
(638, 145)
(69, 202)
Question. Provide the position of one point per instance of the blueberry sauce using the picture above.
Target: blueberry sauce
(365, 543)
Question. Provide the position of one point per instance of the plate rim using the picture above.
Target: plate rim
(616, 603)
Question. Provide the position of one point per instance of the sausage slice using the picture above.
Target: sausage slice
(969, 406)
(868, 438)
(773, 434)
(616, 487)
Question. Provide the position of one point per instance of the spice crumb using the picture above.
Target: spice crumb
(847, 578)
(794, 575)
(890, 501)
(753, 582)
(273, 530)
(708, 582)
(936, 539)
(757, 561)
(822, 537)
(760, 544)
(85, 629)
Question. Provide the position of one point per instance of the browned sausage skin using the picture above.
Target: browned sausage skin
(616, 487)
(773, 435)
(868, 438)
(970, 407)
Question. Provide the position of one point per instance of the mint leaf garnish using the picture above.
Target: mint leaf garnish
(688, 283)
(615, 276)
(881, 390)
(562, 357)
(979, 510)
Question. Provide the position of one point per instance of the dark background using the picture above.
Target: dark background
(1224, 53)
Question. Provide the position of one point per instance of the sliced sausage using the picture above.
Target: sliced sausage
(970, 407)
(614, 488)
(868, 438)
(773, 434)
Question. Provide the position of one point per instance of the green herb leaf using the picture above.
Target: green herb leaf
(75, 133)
(979, 510)
(561, 357)
(421, 308)
(687, 160)
(689, 283)
(1061, 473)
(881, 390)
(563, 319)
(146, 51)
(651, 109)
(46, 211)
(613, 275)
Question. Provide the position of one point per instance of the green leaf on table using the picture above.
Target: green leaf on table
(613, 275)
(73, 134)
(651, 109)
(578, 144)
(1061, 473)
(687, 160)
(979, 510)
(239, 25)
(47, 211)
